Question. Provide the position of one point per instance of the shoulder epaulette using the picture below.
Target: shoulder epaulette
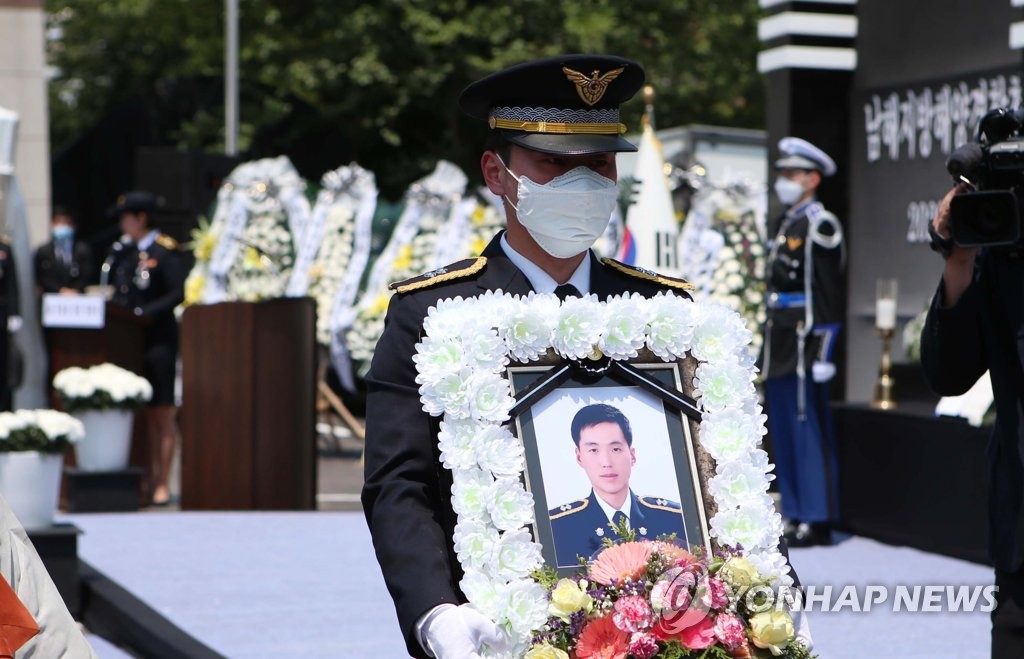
(457, 270)
(568, 508)
(166, 241)
(648, 275)
(660, 504)
(818, 216)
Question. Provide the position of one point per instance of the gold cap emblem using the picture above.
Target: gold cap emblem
(593, 88)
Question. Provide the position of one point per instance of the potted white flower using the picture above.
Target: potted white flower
(32, 445)
(104, 398)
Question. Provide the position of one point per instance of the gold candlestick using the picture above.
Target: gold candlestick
(883, 399)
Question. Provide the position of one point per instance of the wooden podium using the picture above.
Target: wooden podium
(119, 342)
(249, 406)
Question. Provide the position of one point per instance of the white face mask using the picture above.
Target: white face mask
(788, 191)
(567, 214)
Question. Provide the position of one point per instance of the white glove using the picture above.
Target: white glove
(458, 632)
(13, 324)
(823, 371)
(803, 629)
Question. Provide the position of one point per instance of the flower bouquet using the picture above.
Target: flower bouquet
(655, 599)
(104, 399)
(32, 443)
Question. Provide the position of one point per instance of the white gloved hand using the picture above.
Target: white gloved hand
(823, 371)
(13, 324)
(803, 629)
(458, 632)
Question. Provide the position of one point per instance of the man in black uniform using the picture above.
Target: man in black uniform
(10, 323)
(551, 157)
(64, 264)
(149, 278)
(804, 273)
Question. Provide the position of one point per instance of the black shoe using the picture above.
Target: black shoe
(810, 535)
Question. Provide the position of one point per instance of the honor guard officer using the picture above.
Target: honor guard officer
(804, 273)
(550, 155)
(604, 449)
(10, 318)
(149, 278)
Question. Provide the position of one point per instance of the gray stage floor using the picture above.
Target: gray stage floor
(306, 585)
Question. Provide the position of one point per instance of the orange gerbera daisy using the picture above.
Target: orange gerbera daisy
(620, 562)
(601, 639)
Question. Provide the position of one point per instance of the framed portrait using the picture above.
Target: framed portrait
(601, 445)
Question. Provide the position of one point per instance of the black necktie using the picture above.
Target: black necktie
(566, 290)
(618, 518)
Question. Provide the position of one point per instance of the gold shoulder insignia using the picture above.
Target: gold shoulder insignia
(569, 508)
(649, 275)
(660, 504)
(457, 270)
(166, 241)
(593, 88)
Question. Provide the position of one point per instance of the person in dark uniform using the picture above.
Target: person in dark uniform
(554, 136)
(804, 272)
(63, 265)
(604, 449)
(11, 365)
(149, 278)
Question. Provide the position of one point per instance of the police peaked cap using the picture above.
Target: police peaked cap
(136, 201)
(796, 153)
(563, 105)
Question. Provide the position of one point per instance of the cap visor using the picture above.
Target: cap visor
(570, 145)
(797, 162)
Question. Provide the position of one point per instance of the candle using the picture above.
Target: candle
(885, 313)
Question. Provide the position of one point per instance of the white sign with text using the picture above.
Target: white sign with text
(74, 311)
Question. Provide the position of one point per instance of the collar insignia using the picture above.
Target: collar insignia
(593, 88)
(794, 243)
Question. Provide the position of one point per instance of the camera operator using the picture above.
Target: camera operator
(976, 323)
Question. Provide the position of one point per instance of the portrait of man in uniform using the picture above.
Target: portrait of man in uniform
(602, 439)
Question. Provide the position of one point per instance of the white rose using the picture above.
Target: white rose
(510, 505)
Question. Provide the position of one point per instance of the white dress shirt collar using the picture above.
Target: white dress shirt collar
(627, 506)
(541, 281)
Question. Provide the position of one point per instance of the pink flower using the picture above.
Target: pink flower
(601, 639)
(715, 596)
(643, 645)
(729, 630)
(699, 635)
(633, 613)
(620, 562)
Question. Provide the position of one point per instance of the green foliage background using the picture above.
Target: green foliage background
(329, 81)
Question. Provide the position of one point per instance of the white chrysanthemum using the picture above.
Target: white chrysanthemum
(510, 505)
(515, 556)
(670, 323)
(488, 396)
(446, 396)
(738, 484)
(457, 441)
(471, 492)
(498, 451)
(529, 325)
(721, 385)
(446, 318)
(759, 460)
(719, 334)
(751, 526)
(731, 434)
(580, 322)
(524, 606)
(625, 327)
(483, 592)
(475, 543)
(773, 566)
(484, 349)
(437, 357)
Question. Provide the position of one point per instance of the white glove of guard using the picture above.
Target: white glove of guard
(458, 632)
(803, 629)
(823, 371)
(14, 324)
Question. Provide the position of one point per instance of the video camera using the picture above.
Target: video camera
(989, 214)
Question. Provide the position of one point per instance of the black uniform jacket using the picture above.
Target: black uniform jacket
(152, 283)
(407, 492)
(985, 330)
(53, 274)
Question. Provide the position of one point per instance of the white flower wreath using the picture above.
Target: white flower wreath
(460, 365)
